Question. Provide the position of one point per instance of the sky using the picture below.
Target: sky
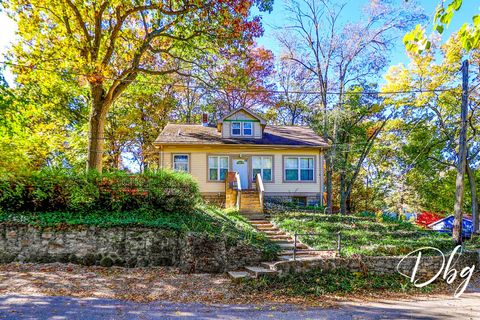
(278, 18)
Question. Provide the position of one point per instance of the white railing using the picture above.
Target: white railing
(260, 188)
(239, 188)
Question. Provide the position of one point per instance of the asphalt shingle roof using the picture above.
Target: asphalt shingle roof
(272, 135)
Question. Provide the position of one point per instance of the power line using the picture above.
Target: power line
(237, 89)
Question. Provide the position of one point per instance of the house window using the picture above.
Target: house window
(262, 165)
(181, 162)
(299, 201)
(299, 168)
(247, 128)
(236, 126)
(217, 168)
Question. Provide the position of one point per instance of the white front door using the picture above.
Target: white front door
(241, 166)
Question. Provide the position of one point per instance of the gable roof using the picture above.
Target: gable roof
(272, 135)
(450, 218)
(250, 112)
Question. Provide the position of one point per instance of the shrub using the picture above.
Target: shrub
(51, 190)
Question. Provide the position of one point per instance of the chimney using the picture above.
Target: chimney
(205, 119)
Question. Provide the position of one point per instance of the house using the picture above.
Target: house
(241, 160)
(446, 225)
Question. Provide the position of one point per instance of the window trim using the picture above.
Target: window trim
(284, 175)
(240, 128)
(218, 168)
(188, 161)
(243, 129)
(273, 167)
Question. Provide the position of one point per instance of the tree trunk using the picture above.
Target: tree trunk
(343, 194)
(473, 191)
(97, 128)
(462, 155)
(329, 175)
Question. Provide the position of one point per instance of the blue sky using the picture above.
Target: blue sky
(278, 17)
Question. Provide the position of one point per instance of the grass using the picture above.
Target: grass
(364, 235)
(317, 283)
(205, 219)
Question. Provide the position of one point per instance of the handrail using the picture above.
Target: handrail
(239, 188)
(260, 188)
(239, 182)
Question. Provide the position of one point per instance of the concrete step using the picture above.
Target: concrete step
(268, 265)
(282, 240)
(291, 245)
(274, 232)
(280, 237)
(267, 228)
(238, 275)
(299, 252)
(299, 258)
(260, 271)
(260, 222)
(252, 217)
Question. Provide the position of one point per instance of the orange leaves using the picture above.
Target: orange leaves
(95, 78)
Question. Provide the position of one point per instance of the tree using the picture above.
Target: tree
(362, 119)
(240, 78)
(340, 55)
(134, 122)
(469, 34)
(436, 110)
(42, 123)
(294, 103)
(108, 44)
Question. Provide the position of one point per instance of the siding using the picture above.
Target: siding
(226, 131)
(198, 166)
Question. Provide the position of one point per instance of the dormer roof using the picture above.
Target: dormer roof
(250, 112)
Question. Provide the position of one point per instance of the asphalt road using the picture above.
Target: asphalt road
(42, 307)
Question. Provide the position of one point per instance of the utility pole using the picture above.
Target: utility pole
(462, 158)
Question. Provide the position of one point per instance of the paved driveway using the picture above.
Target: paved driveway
(44, 307)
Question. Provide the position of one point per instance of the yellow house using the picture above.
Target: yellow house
(245, 155)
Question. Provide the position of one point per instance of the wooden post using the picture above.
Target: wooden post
(295, 246)
(462, 158)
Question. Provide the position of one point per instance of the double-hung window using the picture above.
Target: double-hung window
(181, 162)
(299, 168)
(262, 165)
(217, 168)
(247, 128)
(236, 128)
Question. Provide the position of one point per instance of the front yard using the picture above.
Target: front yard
(363, 234)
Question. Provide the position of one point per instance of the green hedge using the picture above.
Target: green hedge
(50, 190)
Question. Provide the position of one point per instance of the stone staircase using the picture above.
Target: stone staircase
(286, 243)
(250, 204)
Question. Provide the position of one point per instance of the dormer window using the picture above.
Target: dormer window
(247, 128)
(242, 124)
(236, 128)
(242, 129)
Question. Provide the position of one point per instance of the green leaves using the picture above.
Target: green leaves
(415, 40)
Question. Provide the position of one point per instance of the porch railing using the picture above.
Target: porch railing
(260, 188)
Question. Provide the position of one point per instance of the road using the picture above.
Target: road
(48, 307)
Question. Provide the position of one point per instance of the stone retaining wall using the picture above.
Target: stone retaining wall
(123, 246)
(428, 266)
